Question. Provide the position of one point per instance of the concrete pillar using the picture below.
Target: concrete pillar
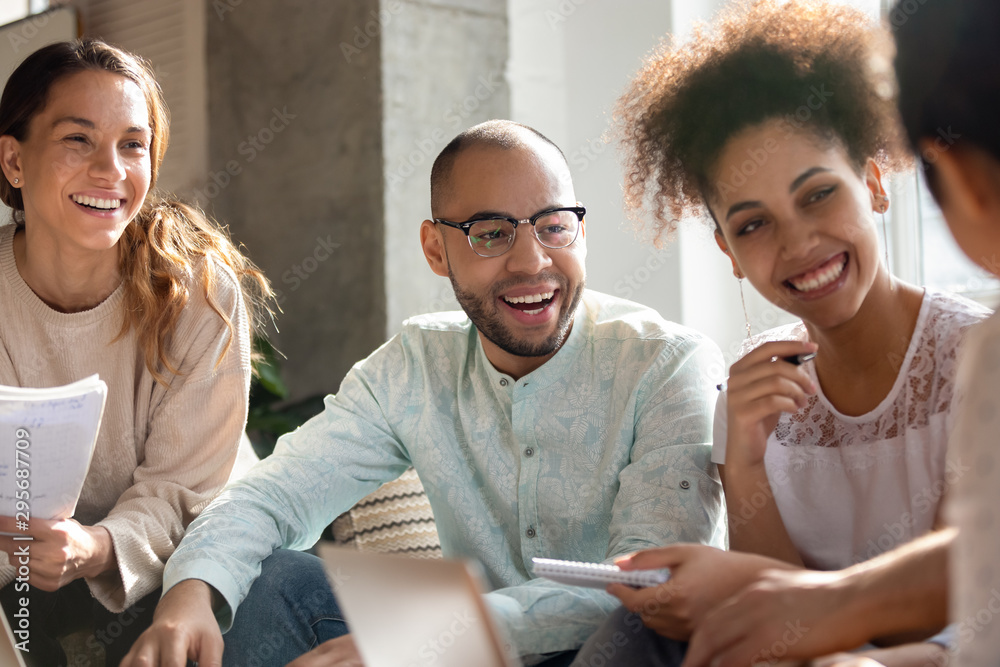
(443, 70)
(295, 169)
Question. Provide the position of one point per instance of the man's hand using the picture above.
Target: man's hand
(787, 614)
(61, 550)
(183, 628)
(701, 577)
(339, 652)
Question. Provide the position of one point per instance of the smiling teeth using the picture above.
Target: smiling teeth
(94, 202)
(822, 280)
(530, 298)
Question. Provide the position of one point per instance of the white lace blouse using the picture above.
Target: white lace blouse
(849, 488)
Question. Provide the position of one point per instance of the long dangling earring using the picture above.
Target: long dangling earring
(883, 207)
(746, 317)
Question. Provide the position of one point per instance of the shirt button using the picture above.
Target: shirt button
(529, 452)
(530, 532)
(503, 382)
(685, 484)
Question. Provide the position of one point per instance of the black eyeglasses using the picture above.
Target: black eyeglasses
(491, 237)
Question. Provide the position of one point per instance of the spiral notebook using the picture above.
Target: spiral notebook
(596, 575)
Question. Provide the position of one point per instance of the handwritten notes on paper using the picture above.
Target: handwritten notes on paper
(47, 438)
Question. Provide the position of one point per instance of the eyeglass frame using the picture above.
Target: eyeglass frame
(466, 226)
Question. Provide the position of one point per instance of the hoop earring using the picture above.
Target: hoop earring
(746, 317)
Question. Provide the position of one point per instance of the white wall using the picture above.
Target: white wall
(569, 62)
(442, 72)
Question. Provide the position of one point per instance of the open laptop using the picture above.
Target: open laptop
(9, 655)
(409, 612)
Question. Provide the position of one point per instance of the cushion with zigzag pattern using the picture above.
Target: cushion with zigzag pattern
(396, 518)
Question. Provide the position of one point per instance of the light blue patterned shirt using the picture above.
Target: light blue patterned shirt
(602, 450)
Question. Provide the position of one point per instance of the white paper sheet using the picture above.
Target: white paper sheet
(47, 438)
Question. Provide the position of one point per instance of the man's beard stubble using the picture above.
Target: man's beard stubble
(486, 319)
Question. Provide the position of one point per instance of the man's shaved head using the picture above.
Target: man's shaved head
(502, 134)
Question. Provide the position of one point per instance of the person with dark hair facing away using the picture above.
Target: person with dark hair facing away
(98, 274)
(779, 122)
(948, 71)
(545, 420)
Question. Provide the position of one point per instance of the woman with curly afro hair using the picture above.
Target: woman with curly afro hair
(779, 122)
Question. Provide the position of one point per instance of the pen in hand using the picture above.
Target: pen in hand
(795, 360)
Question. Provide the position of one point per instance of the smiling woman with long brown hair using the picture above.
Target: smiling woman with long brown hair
(99, 274)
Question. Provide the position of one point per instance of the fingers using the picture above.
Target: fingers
(780, 349)
(749, 371)
(761, 386)
(16, 525)
(8, 525)
(183, 628)
(209, 653)
(669, 556)
(170, 647)
(646, 602)
(769, 397)
(717, 638)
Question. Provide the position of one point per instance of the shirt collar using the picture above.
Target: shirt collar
(554, 369)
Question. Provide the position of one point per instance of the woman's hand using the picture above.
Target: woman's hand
(784, 615)
(700, 578)
(60, 551)
(760, 387)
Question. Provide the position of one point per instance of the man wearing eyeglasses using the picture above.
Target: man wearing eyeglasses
(544, 421)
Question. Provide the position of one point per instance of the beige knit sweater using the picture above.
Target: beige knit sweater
(162, 454)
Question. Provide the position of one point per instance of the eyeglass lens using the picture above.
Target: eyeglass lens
(493, 237)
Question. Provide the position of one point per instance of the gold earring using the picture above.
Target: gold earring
(746, 317)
